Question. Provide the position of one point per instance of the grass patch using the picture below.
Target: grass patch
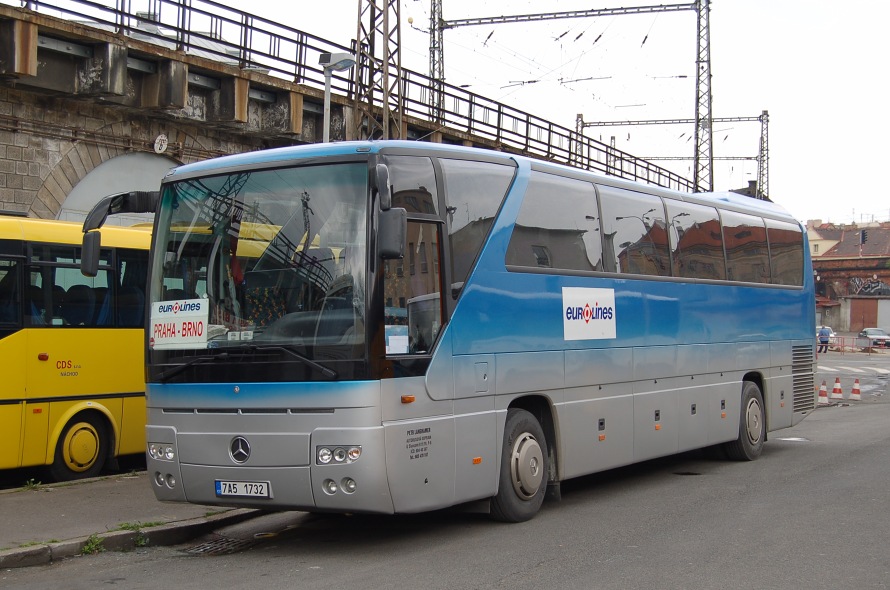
(32, 485)
(138, 526)
(92, 546)
(141, 539)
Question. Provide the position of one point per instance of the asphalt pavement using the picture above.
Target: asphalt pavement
(44, 523)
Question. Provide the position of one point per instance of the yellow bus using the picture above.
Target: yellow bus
(73, 398)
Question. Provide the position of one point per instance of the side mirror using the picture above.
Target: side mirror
(89, 255)
(384, 191)
(392, 228)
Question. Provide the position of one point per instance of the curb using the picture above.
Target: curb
(172, 533)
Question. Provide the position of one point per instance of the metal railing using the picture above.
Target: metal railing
(211, 30)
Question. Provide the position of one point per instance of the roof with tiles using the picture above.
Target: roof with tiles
(876, 244)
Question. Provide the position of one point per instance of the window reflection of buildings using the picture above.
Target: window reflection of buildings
(746, 253)
(647, 254)
(699, 251)
(551, 248)
(421, 246)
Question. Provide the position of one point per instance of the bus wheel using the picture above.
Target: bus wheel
(524, 469)
(81, 450)
(752, 426)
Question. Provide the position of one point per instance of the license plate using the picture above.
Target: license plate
(244, 489)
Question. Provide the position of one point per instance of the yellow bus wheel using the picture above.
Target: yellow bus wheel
(81, 450)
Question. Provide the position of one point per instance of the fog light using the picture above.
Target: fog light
(168, 453)
(348, 485)
(159, 479)
(170, 481)
(324, 455)
(354, 453)
(339, 455)
(329, 486)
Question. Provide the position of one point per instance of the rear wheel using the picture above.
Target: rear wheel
(524, 469)
(81, 450)
(752, 426)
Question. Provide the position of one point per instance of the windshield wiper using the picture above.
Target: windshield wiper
(169, 373)
(330, 373)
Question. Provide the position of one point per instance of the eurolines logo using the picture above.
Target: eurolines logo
(185, 306)
(588, 314)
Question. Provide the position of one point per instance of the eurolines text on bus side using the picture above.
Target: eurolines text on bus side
(588, 313)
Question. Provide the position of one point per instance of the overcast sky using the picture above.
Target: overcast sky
(818, 67)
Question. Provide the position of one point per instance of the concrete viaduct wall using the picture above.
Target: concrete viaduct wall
(73, 97)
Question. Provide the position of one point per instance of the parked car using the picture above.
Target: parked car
(876, 337)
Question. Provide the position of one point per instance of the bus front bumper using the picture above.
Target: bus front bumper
(198, 471)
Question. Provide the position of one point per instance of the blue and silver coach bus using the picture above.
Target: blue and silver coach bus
(394, 327)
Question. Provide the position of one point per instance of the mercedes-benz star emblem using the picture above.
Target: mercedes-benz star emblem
(239, 449)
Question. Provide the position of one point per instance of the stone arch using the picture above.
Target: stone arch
(82, 158)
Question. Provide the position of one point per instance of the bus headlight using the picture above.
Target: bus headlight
(337, 455)
(161, 451)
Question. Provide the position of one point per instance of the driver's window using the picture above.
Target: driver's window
(413, 296)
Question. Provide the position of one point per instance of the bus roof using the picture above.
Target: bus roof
(285, 155)
(69, 232)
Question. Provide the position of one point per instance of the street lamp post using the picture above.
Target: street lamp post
(332, 62)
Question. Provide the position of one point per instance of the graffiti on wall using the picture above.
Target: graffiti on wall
(860, 286)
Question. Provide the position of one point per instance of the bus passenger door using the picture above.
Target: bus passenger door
(12, 351)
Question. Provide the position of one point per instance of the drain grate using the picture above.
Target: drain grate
(221, 546)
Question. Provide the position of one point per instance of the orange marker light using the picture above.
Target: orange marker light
(408, 399)
(602, 437)
(43, 356)
(723, 415)
(37, 410)
(477, 460)
(658, 427)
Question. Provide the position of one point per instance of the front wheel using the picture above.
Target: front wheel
(524, 469)
(81, 450)
(752, 426)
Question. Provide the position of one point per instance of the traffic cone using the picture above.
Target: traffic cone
(823, 395)
(837, 392)
(855, 394)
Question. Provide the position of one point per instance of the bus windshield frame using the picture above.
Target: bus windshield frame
(269, 263)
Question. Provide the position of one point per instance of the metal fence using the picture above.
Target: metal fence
(208, 29)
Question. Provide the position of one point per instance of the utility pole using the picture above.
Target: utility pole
(704, 128)
(378, 30)
(703, 180)
(763, 158)
(437, 62)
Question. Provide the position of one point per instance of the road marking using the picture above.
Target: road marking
(851, 369)
(826, 369)
(881, 371)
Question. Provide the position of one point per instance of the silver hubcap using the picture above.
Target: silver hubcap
(526, 466)
(754, 421)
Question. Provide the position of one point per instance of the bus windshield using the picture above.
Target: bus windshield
(263, 258)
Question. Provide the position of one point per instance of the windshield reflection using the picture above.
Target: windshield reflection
(263, 257)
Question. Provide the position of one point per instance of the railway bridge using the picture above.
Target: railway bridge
(101, 99)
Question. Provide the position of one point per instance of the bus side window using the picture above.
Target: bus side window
(34, 307)
(80, 301)
(10, 289)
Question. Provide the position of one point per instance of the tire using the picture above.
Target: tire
(524, 469)
(752, 426)
(81, 450)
